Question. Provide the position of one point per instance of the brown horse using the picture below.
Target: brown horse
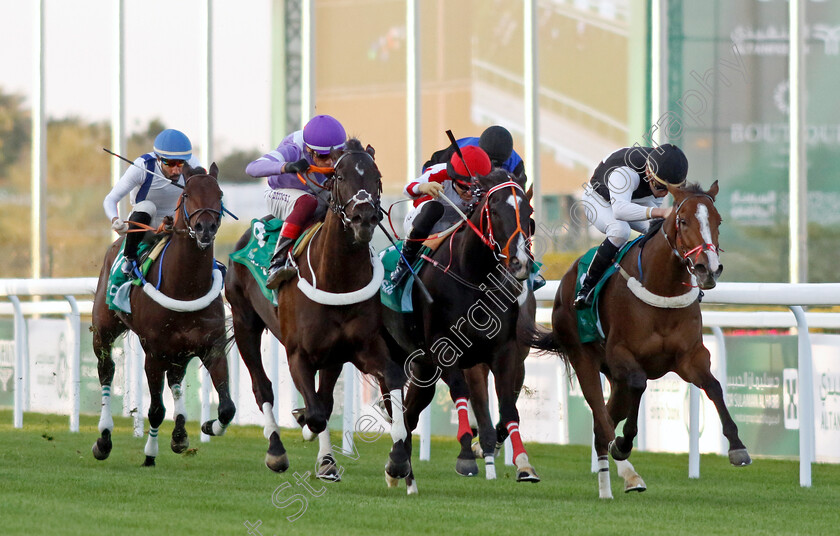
(477, 278)
(177, 314)
(330, 317)
(652, 323)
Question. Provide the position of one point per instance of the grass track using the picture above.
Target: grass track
(51, 484)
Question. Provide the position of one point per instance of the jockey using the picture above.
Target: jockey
(452, 180)
(626, 191)
(286, 196)
(152, 196)
(497, 142)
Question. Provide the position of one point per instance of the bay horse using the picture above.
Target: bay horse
(477, 279)
(331, 317)
(177, 314)
(652, 322)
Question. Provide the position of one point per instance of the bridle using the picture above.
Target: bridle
(486, 232)
(687, 257)
(361, 197)
(182, 205)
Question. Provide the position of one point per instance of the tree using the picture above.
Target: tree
(15, 128)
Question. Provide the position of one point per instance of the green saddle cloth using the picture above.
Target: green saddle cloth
(588, 321)
(398, 298)
(117, 279)
(257, 253)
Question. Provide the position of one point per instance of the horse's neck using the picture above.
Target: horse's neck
(473, 259)
(340, 264)
(187, 271)
(663, 272)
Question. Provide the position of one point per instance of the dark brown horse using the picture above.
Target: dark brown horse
(177, 314)
(477, 278)
(650, 315)
(327, 316)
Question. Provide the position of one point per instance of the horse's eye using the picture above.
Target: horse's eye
(682, 221)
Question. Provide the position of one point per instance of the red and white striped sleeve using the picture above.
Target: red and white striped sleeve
(435, 173)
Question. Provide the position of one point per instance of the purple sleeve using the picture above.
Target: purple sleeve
(271, 164)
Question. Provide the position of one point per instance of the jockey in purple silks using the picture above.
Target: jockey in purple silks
(286, 196)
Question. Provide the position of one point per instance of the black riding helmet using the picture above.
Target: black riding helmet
(497, 143)
(667, 164)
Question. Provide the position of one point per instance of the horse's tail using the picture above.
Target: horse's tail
(544, 340)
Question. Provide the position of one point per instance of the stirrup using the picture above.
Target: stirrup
(583, 300)
(279, 275)
(399, 273)
(128, 267)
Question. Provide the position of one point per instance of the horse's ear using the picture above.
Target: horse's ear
(530, 193)
(369, 150)
(214, 170)
(713, 191)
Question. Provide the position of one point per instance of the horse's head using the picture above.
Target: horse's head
(356, 188)
(199, 211)
(505, 221)
(692, 231)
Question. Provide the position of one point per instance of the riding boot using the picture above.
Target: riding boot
(133, 239)
(280, 270)
(410, 250)
(600, 262)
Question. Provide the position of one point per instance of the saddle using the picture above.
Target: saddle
(257, 253)
(588, 320)
(147, 252)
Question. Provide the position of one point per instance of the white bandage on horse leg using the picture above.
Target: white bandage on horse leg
(324, 444)
(398, 431)
(604, 490)
(269, 424)
(106, 421)
(152, 443)
(178, 399)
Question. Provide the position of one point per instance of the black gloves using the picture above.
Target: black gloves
(297, 167)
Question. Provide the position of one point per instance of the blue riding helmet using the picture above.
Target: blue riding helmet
(173, 144)
(324, 133)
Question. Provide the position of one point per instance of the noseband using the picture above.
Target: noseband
(361, 197)
(690, 257)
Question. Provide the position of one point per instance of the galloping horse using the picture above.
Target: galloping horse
(333, 320)
(178, 314)
(477, 279)
(652, 323)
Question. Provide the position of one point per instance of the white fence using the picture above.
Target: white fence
(793, 296)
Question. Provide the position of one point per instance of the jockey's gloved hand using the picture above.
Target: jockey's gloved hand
(119, 226)
(296, 167)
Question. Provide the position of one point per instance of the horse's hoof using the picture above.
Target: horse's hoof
(390, 481)
(616, 452)
(739, 457)
(102, 447)
(476, 450)
(180, 442)
(489, 468)
(411, 488)
(466, 467)
(527, 474)
(299, 415)
(328, 471)
(213, 427)
(149, 462)
(276, 458)
(635, 486)
(399, 463)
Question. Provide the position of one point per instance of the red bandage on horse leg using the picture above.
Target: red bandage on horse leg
(515, 440)
(301, 214)
(463, 418)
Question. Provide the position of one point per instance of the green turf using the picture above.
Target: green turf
(51, 484)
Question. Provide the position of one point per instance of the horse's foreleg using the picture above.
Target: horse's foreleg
(701, 375)
(486, 448)
(465, 463)
(180, 440)
(303, 374)
(506, 382)
(625, 398)
(154, 376)
(217, 366)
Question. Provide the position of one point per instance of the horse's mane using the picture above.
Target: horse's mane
(690, 187)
